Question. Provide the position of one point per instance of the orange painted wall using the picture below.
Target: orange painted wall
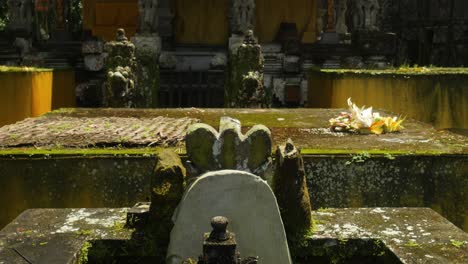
(63, 89)
(103, 17)
(201, 21)
(271, 13)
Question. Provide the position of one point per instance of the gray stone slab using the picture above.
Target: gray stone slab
(246, 200)
(414, 235)
(57, 235)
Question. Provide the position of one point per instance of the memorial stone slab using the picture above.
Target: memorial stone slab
(246, 200)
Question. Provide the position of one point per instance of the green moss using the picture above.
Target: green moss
(457, 244)
(412, 243)
(373, 152)
(84, 251)
(4, 69)
(40, 153)
(397, 71)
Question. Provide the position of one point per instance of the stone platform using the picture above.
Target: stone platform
(139, 128)
(396, 235)
(100, 158)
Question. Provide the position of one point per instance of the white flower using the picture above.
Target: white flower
(362, 117)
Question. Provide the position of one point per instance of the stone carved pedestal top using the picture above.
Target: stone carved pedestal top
(210, 150)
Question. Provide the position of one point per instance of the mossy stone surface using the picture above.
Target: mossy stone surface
(290, 188)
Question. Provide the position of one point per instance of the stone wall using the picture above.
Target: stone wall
(356, 180)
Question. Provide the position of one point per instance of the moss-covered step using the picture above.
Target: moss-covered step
(373, 235)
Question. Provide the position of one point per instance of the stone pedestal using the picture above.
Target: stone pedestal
(147, 50)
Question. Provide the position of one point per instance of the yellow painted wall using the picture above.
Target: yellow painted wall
(201, 21)
(271, 13)
(63, 89)
(24, 94)
(103, 17)
(441, 101)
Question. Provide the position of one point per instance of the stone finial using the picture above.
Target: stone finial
(120, 35)
(210, 150)
(219, 232)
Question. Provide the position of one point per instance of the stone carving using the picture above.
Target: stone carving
(93, 55)
(20, 15)
(292, 194)
(210, 150)
(246, 200)
(341, 27)
(148, 10)
(252, 94)
(219, 61)
(365, 14)
(23, 45)
(245, 76)
(243, 15)
(167, 60)
(119, 89)
(320, 19)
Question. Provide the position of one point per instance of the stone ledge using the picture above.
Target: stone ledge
(413, 235)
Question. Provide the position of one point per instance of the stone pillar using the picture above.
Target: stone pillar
(20, 14)
(290, 188)
(341, 27)
(148, 48)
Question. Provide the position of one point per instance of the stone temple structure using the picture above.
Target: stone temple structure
(187, 47)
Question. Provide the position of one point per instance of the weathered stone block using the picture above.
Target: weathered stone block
(292, 194)
(167, 185)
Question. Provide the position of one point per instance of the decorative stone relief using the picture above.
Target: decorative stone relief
(242, 16)
(210, 150)
(341, 27)
(148, 10)
(219, 61)
(365, 14)
(278, 89)
(20, 15)
(93, 55)
(167, 60)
